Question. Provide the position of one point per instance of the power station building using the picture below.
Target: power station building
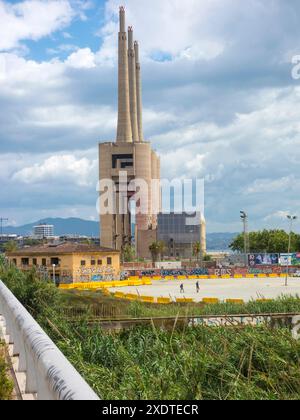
(131, 159)
(180, 232)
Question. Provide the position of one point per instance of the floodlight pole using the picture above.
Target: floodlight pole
(244, 218)
(291, 220)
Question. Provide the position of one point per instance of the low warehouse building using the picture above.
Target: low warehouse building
(69, 262)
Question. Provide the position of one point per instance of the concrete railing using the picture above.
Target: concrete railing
(49, 375)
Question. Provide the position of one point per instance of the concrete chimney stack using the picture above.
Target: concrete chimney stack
(139, 92)
(124, 132)
(132, 86)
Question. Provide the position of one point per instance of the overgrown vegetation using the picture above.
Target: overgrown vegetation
(94, 302)
(199, 363)
(147, 363)
(270, 241)
(35, 294)
(6, 384)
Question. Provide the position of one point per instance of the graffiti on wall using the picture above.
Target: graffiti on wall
(96, 274)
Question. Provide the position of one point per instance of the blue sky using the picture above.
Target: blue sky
(219, 103)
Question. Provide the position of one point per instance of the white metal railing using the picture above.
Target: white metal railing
(49, 375)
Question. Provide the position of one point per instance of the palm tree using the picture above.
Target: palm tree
(197, 250)
(162, 248)
(154, 248)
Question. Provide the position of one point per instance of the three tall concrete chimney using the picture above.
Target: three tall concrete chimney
(124, 131)
(130, 125)
(132, 86)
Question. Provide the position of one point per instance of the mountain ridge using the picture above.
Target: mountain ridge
(77, 226)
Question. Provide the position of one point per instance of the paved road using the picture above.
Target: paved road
(246, 289)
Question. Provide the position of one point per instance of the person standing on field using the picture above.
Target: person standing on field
(181, 288)
(198, 287)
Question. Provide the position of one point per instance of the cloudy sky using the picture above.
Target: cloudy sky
(220, 103)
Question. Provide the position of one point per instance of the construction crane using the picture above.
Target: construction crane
(2, 220)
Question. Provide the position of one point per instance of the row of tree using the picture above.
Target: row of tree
(269, 241)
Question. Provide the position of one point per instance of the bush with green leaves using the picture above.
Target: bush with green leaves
(6, 384)
(36, 294)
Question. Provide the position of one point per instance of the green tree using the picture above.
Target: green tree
(161, 249)
(10, 246)
(155, 249)
(197, 250)
(270, 241)
(129, 253)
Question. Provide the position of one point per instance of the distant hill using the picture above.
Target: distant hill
(219, 241)
(75, 226)
(71, 226)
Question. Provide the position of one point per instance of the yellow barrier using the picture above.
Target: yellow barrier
(182, 277)
(192, 277)
(264, 300)
(146, 278)
(273, 275)
(164, 301)
(119, 295)
(184, 300)
(238, 276)
(282, 275)
(157, 278)
(147, 282)
(262, 276)
(212, 277)
(138, 283)
(250, 276)
(147, 299)
(235, 301)
(131, 296)
(210, 301)
(133, 278)
(168, 278)
(226, 276)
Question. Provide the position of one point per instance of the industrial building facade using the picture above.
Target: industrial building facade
(180, 232)
(130, 156)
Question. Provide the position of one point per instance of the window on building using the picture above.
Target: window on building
(93, 262)
(44, 262)
(25, 261)
(82, 263)
(55, 261)
(109, 261)
(34, 261)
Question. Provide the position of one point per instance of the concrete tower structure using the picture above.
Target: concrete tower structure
(124, 131)
(132, 156)
(132, 86)
(139, 91)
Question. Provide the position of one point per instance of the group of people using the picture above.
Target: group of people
(197, 288)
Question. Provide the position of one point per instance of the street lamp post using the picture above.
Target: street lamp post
(244, 218)
(291, 220)
(53, 272)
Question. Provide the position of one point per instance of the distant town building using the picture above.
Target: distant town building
(180, 232)
(43, 231)
(69, 262)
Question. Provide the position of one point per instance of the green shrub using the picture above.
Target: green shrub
(6, 385)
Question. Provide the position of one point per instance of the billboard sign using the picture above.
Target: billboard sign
(290, 259)
(263, 259)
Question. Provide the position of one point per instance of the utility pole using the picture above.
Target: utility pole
(291, 220)
(2, 219)
(244, 218)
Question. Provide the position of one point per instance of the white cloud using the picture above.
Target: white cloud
(60, 167)
(32, 19)
(82, 59)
